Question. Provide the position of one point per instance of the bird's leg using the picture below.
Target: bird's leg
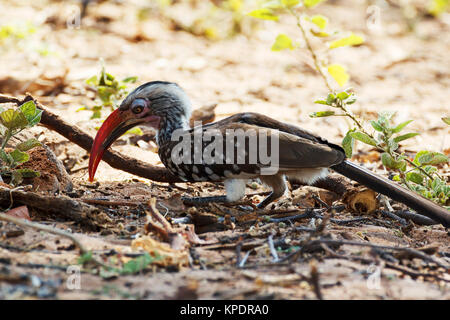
(278, 185)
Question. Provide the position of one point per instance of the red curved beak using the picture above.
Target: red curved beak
(114, 126)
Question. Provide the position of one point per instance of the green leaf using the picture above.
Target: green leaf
(406, 136)
(348, 143)
(384, 117)
(13, 119)
(6, 158)
(136, 131)
(31, 113)
(130, 79)
(16, 178)
(330, 99)
(351, 101)
(321, 102)
(363, 138)
(342, 95)
(92, 81)
(264, 14)
(29, 144)
(339, 73)
(28, 109)
(393, 145)
(376, 126)
(311, 3)
(401, 126)
(138, 264)
(430, 169)
(96, 114)
(391, 163)
(36, 119)
(418, 155)
(19, 156)
(319, 34)
(437, 7)
(321, 114)
(85, 257)
(431, 158)
(351, 40)
(446, 120)
(414, 177)
(282, 42)
(28, 173)
(290, 3)
(105, 93)
(320, 21)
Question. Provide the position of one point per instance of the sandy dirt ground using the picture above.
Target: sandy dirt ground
(395, 69)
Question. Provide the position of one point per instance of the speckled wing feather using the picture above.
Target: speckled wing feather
(293, 152)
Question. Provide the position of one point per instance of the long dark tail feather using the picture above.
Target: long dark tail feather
(394, 191)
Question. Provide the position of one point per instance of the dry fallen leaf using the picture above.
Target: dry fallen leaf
(19, 212)
(169, 256)
(304, 196)
(361, 200)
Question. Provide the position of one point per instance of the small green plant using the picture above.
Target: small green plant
(315, 26)
(16, 32)
(12, 122)
(214, 20)
(109, 91)
(132, 266)
(421, 174)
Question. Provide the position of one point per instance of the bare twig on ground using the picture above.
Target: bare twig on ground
(108, 203)
(410, 251)
(416, 218)
(59, 205)
(334, 255)
(273, 251)
(158, 223)
(392, 215)
(244, 260)
(314, 280)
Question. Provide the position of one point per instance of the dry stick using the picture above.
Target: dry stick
(238, 253)
(166, 230)
(416, 218)
(114, 159)
(411, 251)
(394, 216)
(61, 206)
(333, 254)
(415, 274)
(38, 226)
(110, 203)
(315, 280)
(273, 251)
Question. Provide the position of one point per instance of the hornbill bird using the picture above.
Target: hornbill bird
(230, 150)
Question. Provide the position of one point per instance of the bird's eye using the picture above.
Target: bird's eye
(138, 106)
